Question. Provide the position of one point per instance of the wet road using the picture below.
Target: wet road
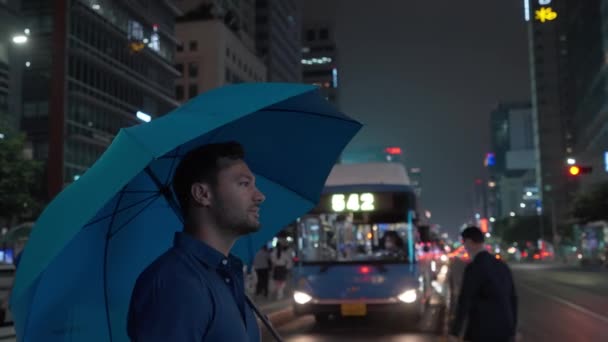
(562, 303)
(556, 303)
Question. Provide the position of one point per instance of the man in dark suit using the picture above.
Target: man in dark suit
(487, 297)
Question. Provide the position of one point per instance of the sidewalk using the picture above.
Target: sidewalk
(7, 334)
(278, 312)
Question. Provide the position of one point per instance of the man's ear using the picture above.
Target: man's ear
(201, 194)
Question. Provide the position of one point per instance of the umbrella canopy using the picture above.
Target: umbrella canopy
(79, 267)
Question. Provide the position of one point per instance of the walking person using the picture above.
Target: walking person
(261, 264)
(487, 297)
(281, 264)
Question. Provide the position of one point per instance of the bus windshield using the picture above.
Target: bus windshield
(340, 238)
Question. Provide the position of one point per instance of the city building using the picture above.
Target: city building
(211, 55)
(94, 66)
(319, 50)
(13, 46)
(551, 102)
(277, 38)
(238, 15)
(587, 37)
(511, 164)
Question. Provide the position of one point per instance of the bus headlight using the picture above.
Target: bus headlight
(301, 297)
(408, 296)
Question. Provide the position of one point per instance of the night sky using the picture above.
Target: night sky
(425, 75)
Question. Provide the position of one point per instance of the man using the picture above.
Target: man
(195, 291)
(487, 297)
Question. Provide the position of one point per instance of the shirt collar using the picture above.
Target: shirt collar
(205, 253)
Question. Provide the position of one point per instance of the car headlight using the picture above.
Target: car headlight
(408, 296)
(301, 297)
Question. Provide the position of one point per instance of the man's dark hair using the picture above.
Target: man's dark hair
(473, 233)
(202, 164)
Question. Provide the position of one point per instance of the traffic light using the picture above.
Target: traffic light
(577, 170)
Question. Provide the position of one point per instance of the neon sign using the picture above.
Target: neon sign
(544, 13)
(352, 202)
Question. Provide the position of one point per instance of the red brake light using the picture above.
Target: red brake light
(364, 269)
(393, 150)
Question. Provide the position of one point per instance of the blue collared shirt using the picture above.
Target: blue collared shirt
(191, 293)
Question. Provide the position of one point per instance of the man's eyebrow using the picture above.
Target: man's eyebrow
(244, 175)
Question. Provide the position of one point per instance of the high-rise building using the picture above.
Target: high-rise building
(511, 164)
(238, 15)
(551, 101)
(211, 55)
(319, 51)
(13, 46)
(587, 37)
(277, 38)
(95, 66)
(319, 61)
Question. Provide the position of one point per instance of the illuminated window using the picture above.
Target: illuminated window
(135, 30)
(154, 42)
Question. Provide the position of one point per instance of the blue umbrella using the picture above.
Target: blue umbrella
(87, 248)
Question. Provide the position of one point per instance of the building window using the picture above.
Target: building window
(179, 67)
(180, 48)
(193, 69)
(135, 30)
(179, 92)
(228, 75)
(324, 34)
(192, 91)
(310, 35)
(193, 45)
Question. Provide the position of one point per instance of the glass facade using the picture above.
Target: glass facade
(119, 58)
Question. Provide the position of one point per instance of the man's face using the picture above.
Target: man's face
(236, 199)
(470, 246)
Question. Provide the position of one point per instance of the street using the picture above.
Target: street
(305, 329)
(556, 303)
(562, 304)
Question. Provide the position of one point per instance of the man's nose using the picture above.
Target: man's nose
(259, 196)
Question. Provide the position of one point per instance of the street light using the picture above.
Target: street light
(571, 161)
(522, 205)
(512, 214)
(143, 116)
(20, 39)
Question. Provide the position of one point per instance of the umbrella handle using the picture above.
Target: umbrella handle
(264, 320)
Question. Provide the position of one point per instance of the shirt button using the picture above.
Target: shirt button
(227, 280)
(224, 262)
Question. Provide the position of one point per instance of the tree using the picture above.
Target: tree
(593, 205)
(18, 177)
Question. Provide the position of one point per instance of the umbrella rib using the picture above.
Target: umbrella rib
(165, 190)
(308, 113)
(121, 210)
(111, 234)
(105, 264)
(170, 173)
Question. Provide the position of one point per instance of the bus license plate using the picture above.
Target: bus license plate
(355, 309)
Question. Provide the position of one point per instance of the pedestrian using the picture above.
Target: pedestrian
(281, 264)
(261, 264)
(195, 290)
(487, 297)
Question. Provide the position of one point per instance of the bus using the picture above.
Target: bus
(355, 252)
